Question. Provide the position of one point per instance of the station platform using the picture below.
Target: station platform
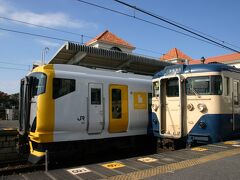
(214, 161)
(7, 126)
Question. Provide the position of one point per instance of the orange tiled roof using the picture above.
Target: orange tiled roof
(110, 38)
(222, 59)
(175, 54)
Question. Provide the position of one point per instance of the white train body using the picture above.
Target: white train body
(73, 103)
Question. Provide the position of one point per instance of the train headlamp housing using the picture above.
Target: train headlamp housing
(155, 107)
(190, 107)
(202, 107)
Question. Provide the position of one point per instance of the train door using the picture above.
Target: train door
(118, 108)
(236, 104)
(95, 108)
(171, 107)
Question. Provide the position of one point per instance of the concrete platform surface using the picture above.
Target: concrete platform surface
(216, 161)
(223, 169)
(4, 124)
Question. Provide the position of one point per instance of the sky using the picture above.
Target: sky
(18, 52)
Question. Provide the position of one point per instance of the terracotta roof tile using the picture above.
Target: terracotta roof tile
(110, 38)
(175, 54)
(221, 59)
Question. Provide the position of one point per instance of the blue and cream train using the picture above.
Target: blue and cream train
(64, 108)
(196, 104)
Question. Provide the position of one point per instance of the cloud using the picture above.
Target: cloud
(47, 43)
(56, 19)
(48, 19)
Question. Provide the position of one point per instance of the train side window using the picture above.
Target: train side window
(236, 92)
(95, 96)
(226, 86)
(172, 87)
(62, 87)
(116, 103)
(156, 89)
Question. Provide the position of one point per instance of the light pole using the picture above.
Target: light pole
(44, 52)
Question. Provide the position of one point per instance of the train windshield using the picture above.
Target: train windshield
(38, 83)
(204, 85)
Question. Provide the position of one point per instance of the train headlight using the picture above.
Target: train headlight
(190, 107)
(202, 107)
(202, 124)
(155, 107)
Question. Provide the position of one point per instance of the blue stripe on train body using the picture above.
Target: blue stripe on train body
(155, 125)
(218, 127)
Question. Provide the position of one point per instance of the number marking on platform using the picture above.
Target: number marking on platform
(113, 165)
(199, 149)
(80, 170)
(147, 160)
(231, 142)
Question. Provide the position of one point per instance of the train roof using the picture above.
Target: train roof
(196, 68)
(84, 71)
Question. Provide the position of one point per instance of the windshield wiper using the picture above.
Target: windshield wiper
(195, 92)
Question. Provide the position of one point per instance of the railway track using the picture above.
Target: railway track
(21, 166)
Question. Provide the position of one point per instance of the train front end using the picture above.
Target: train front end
(190, 105)
(36, 122)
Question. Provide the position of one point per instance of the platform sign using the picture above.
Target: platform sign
(113, 165)
(231, 142)
(147, 159)
(140, 100)
(199, 149)
(79, 170)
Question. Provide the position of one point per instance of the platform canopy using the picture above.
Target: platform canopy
(75, 54)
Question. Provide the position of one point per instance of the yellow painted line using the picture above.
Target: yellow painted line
(231, 142)
(199, 149)
(176, 166)
(113, 165)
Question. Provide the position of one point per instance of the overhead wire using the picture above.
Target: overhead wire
(175, 25)
(213, 37)
(38, 35)
(206, 40)
(82, 35)
(10, 68)
(16, 64)
(61, 39)
(143, 20)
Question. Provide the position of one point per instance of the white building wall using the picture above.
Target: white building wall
(103, 45)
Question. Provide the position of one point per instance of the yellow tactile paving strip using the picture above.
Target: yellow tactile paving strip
(176, 166)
